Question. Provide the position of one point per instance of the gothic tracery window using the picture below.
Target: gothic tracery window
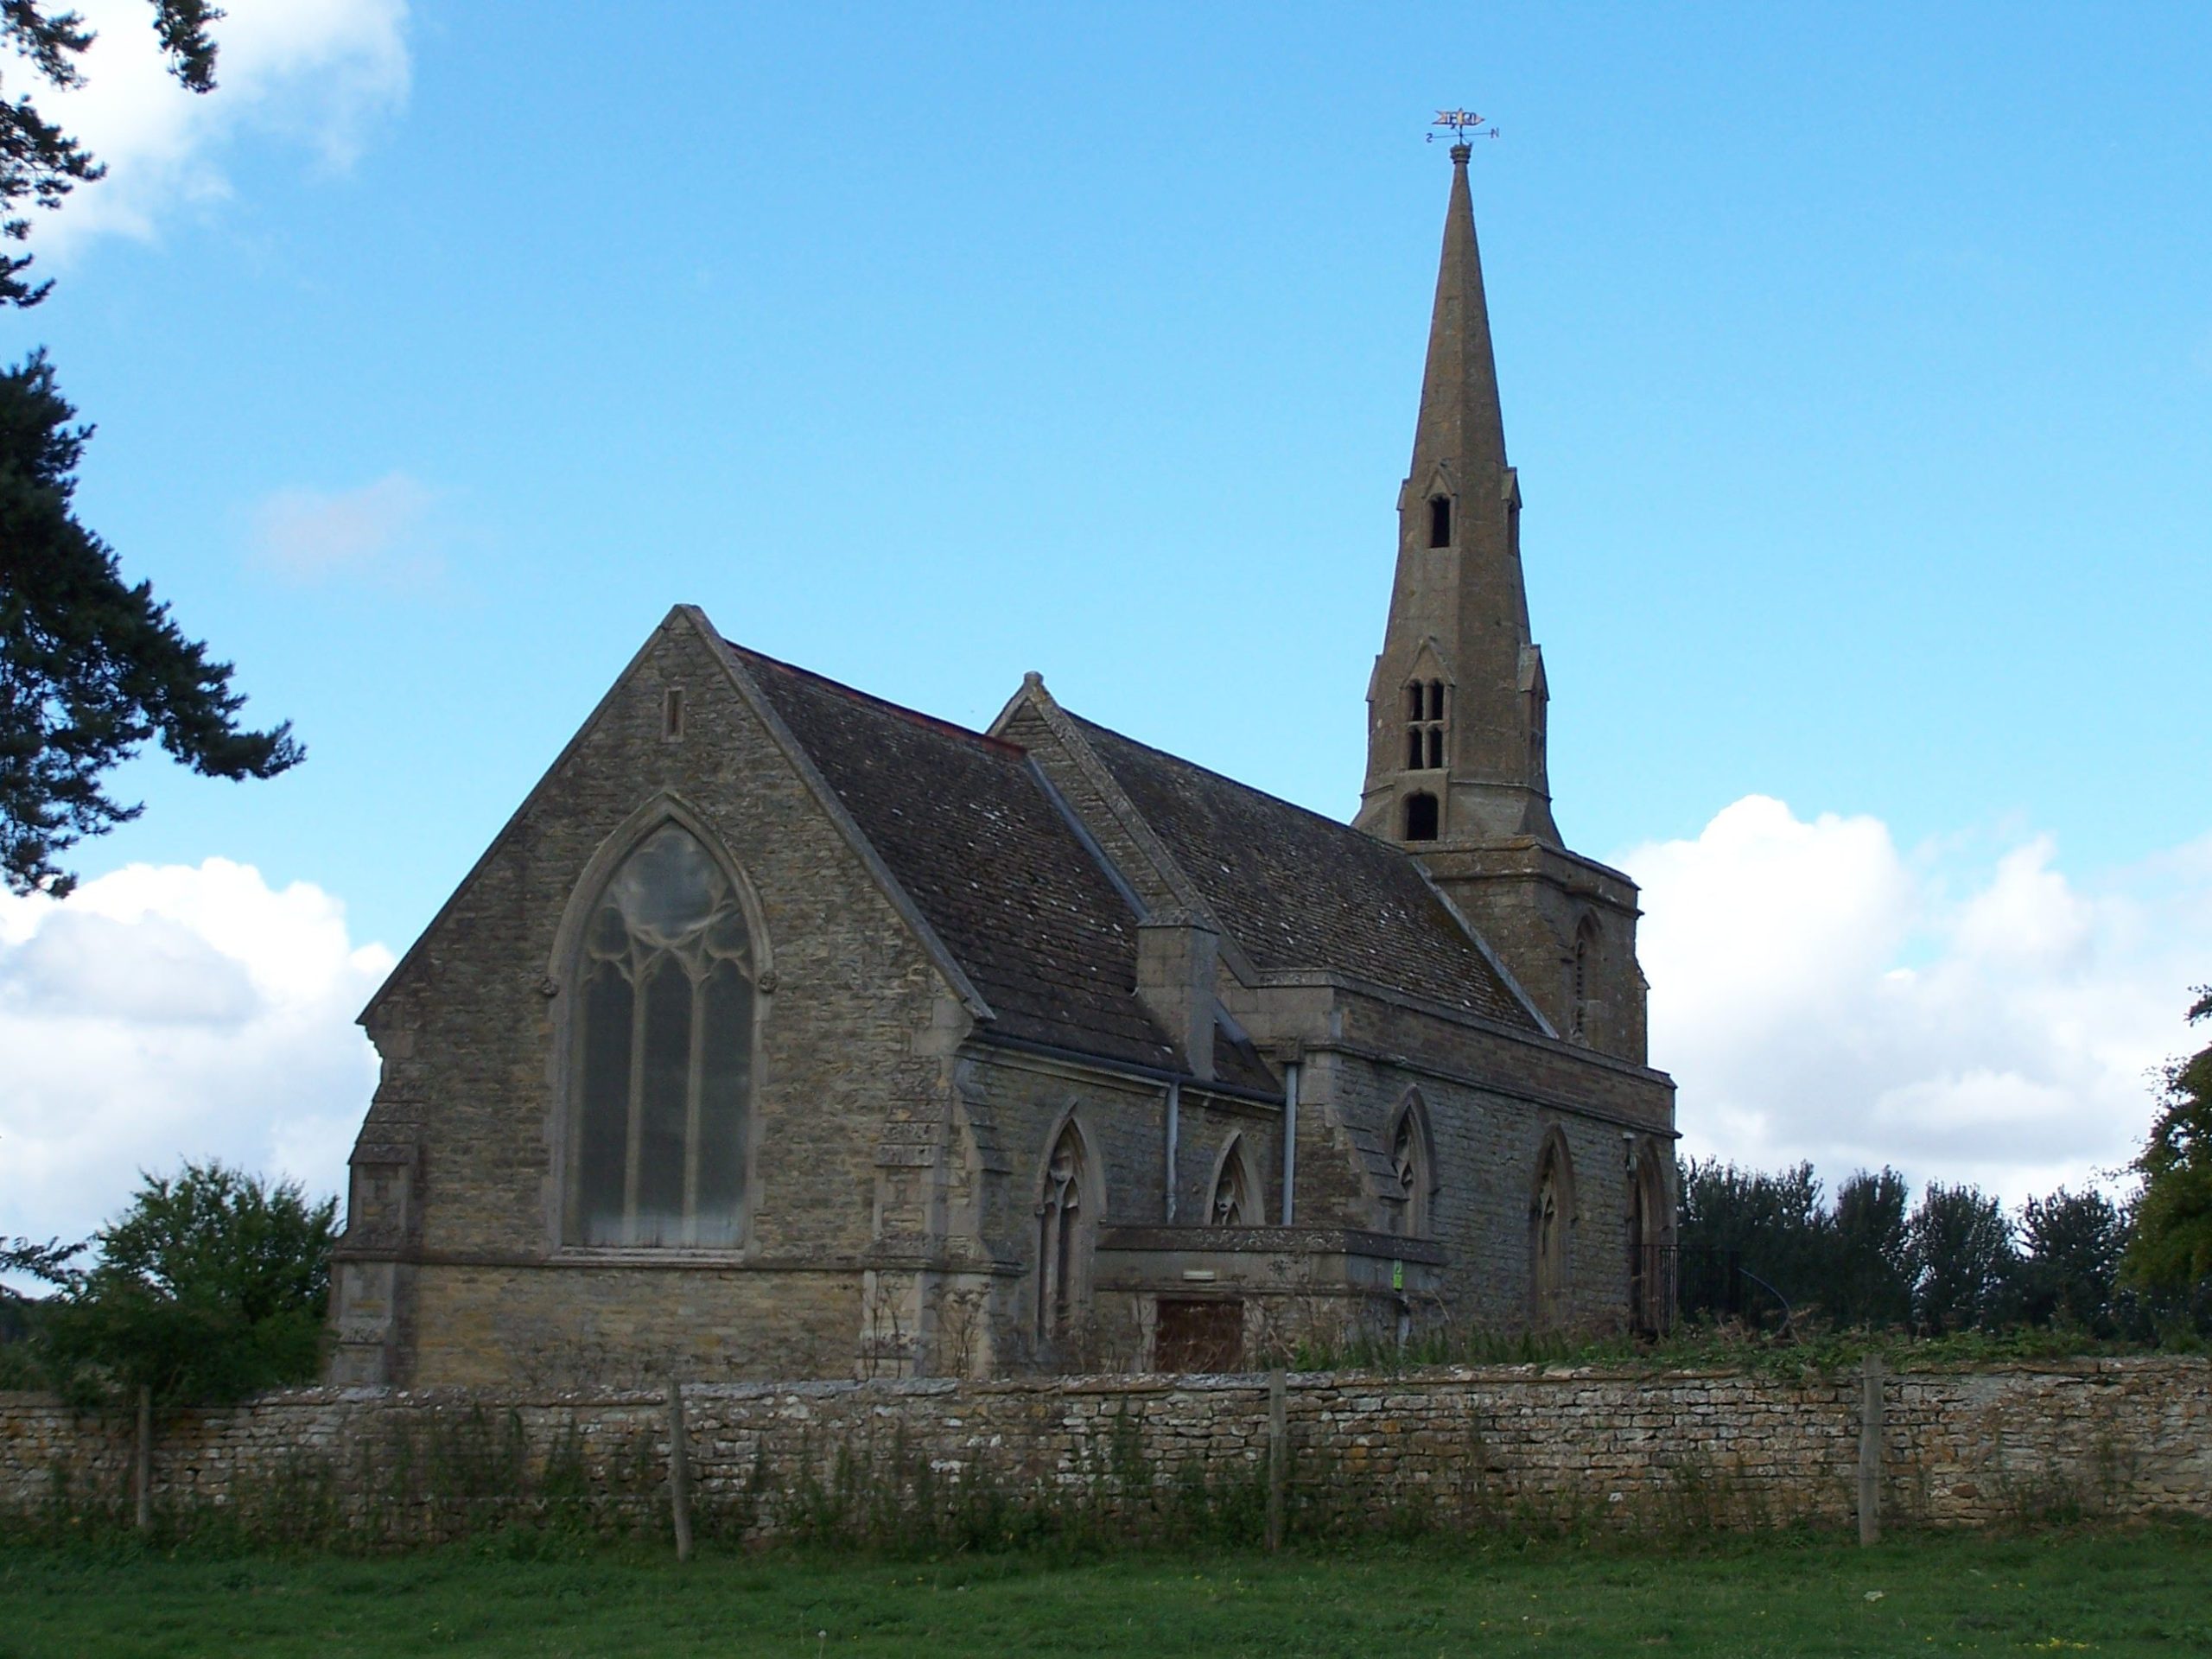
(1063, 1238)
(665, 1051)
(1235, 1203)
(1409, 1172)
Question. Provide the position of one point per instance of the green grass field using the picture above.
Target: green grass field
(2098, 1591)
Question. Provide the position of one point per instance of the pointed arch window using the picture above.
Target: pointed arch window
(1236, 1195)
(1440, 521)
(1411, 1170)
(1651, 1295)
(1551, 1215)
(1426, 702)
(664, 1070)
(1064, 1228)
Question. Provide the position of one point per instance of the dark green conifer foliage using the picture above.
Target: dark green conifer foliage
(39, 163)
(90, 666)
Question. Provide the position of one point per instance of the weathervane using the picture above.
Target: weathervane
(1461, 122)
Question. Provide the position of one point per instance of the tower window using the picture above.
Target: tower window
(1440, 521)
(1424, 706)
(1420, 817)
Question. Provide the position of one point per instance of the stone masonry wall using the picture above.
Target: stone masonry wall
(2121, 1438)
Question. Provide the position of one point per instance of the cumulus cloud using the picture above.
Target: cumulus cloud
(161, 1014)
(1820, 994)
(316, 73)
(377, 531)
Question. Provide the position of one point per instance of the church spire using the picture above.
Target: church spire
(1456, 706)
(1459, 422)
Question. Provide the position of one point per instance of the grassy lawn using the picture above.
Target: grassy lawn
(2099, 1591)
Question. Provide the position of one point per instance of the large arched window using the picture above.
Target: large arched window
(1063, 1229)
(1412, 1169)
(663, 1067)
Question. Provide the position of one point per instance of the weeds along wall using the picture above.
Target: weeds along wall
(917, 1463)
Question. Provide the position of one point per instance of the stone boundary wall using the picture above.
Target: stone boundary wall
(2118, 1437)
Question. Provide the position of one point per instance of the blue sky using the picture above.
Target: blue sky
(1857, 362)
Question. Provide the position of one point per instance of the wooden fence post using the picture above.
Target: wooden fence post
(1278, 1455)
(142, 1462)
(1870, 1449)
(679, 1471)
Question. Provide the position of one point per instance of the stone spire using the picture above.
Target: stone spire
(1456, 706)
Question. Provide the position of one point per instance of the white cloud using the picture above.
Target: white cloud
(157, 1014)
(317, 73)
(1819, 995)
(376, 530)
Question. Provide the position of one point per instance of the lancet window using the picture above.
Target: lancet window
(1410, 1173)
(1551, 1215)
(1236, 1204)
(663, 1070)
(1580, 1003)
(1425, 725)
(1063, 1225)
(1650, 1296)
(1440, 521)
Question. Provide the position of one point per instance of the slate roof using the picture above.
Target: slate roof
(1297, 890)
(971, 830)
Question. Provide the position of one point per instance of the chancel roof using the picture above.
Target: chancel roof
(1022, 898)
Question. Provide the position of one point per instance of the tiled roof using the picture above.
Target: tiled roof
(1297, 890)
(969, 829)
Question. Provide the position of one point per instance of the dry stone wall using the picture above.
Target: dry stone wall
(1501, 1445)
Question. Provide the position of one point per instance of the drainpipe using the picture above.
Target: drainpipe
(1175, 1126)
(1289, 1141)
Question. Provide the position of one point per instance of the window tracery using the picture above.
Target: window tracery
(1426, 722)
(1063, 1237)
(1409, 1171)
(664, 1049)
(1235, 1202)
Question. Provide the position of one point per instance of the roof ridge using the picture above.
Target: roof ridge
(1239, 782)
(952, 728)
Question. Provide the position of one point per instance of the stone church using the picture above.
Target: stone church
(785, 1032)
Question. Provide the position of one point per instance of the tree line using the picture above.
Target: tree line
(1769, 1250)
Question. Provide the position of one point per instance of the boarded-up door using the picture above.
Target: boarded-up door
(1200, 1335)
